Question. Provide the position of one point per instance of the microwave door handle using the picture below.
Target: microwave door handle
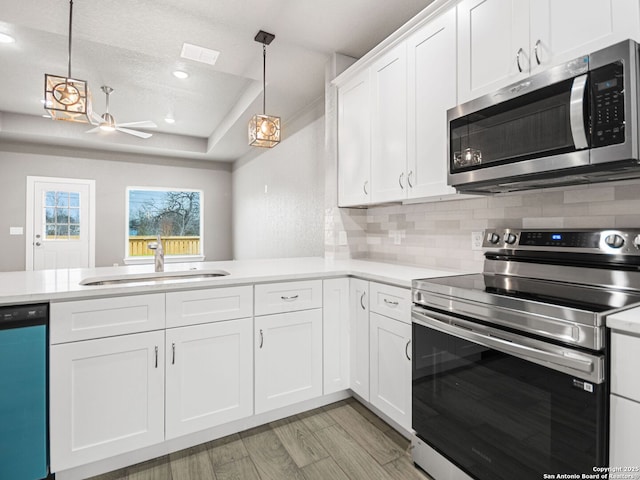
(576, 112)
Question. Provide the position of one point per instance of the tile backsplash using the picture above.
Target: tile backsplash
(438, 234)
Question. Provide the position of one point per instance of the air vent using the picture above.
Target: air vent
(199, 54)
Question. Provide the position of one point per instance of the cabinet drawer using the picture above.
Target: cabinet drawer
(212, 305)
(288, 296)
(393, 302)
(106, 317)
(625, 358)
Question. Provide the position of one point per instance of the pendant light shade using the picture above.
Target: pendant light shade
(67, 98)
(264, 130)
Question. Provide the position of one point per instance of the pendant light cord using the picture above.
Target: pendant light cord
(264, 79)
(70, 20)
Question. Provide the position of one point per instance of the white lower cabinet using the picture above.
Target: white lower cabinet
(335, 334)
(391, 368)
(209, 375)
(359, 337)
(625, 425)
(106, 397)
(288, 358)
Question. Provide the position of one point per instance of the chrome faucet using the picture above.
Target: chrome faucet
(158, 255)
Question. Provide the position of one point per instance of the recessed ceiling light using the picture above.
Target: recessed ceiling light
(169, 118)
(180, 74)
(4, 38)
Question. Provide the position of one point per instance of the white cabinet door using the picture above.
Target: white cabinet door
(288, 358)
(391, 368)
(354, 142)
(431, 67)
(359, 337)
(335, 334)
(625, 425)
(389, 126)
(562, 31)
(493, 45)
(106, 397)
(209, 371)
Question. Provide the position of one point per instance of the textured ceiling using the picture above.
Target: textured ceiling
(134, 45)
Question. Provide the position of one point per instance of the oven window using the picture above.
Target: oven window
(534, 125)
(502, 418)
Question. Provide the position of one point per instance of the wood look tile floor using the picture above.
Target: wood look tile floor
(342, 441)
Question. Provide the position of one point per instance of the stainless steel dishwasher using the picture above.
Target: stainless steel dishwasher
(23, 392)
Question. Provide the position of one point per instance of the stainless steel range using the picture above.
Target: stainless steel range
(510, 366)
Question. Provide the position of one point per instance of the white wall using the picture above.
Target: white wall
(278, 194)
(112, 172)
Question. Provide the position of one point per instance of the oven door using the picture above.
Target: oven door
(501, 406)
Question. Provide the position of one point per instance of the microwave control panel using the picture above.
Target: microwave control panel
(607, 105)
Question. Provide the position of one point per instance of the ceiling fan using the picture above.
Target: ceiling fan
(107, 123)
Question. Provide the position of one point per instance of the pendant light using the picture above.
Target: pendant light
(67, 98)
(264, 130)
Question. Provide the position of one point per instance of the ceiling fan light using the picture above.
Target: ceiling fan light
(264, 131)
(67, 98)
(108, 123)
(180, 74)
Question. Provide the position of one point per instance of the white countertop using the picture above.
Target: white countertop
(46, 285)
(626, 322)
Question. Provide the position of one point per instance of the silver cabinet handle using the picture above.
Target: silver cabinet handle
(400, 180)
(409, 179)
(391, 302)
(576, 112)
(362, 301)
(261, 338)
(156, 356)
(520, 51)
(535, 51)
(173, 354)
(292, 297)
(406, 350)
(364, 187)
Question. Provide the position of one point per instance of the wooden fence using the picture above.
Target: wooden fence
(171, 246)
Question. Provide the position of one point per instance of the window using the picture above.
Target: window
(62, 215)
(175, 214)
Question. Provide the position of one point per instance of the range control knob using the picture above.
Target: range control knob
(636, 242)
(493, 238)
(510, 238)
(614, 241)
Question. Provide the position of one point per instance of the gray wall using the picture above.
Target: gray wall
(288, 219)
(113, 172)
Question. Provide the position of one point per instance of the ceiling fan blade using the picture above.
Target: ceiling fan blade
(143, 124)
(134, 132)
(93, 130)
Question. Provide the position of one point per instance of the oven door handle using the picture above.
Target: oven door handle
(583, 365)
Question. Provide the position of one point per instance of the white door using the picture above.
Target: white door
(335, 331)
(209, 375)
(391, 368)
(106, 397)
(493, 45)
(359, 337)
(288, 358)
(431, 58)
(354, 142)
(60, 223)
(562, 31)
(389, 126)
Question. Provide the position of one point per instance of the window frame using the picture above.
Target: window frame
(128, 260)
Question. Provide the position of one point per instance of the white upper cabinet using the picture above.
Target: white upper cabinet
(493, 45)
(389, 126)
(502, 41)
(431, 66)
(354, 142)
(561, 31)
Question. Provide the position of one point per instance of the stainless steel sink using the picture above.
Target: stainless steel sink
(152, 277)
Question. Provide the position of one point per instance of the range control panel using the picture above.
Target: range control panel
(588, 241)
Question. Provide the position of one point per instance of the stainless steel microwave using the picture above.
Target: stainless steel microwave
(574, 123)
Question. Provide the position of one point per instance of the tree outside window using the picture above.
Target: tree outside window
(175, 214)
